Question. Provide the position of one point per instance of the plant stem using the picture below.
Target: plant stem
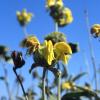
(43, 80)
(86, 64)
(91, 49)
(47, 83)
(6, 82)
(17, 91)
(59, 88)
(59, 76)
(25, 31)
(56, 27)
(26, 98)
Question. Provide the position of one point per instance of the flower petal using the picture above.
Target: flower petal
(62, 51)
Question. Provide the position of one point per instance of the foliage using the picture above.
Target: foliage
(52, 55)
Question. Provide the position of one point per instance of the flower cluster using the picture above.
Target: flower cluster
(24, 17)
(47, 53)
(56, 37)
(60, 14)
(95, 30)
(51, 3)
(60, 37)
(68, 85)
(55, 48)
(31, 42)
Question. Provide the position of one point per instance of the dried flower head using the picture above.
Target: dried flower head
(17, 59)
(74, 47)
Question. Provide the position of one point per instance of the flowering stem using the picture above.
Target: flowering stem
(91, 50)
(17, 91)
(59, 88)
(26, 98)
(25, 31)
(47, 83)
(6, 83)
(43, 80)
(56, 27)
(86, 64)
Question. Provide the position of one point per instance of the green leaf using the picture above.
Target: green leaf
(72, 96)
(79, 76)
(77, 95)
(88, 93)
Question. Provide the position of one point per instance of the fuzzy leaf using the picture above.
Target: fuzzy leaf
(79, 76)
(77, 95)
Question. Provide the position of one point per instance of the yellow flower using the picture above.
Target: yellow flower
(96, 25)
(62, 51)
(59, 3)
(24, 17)
(53, 3)
(64, 58)
(18, 15)
(48, 52)
(31, 42)
(50, 3)
(68, 15)
(68, 85)
(95, 30)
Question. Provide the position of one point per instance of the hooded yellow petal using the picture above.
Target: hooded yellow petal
(59, 3)
(32, 40)
(48, 52)
(62, 47)
(68, 15)
(20, 18)
(50, 3)
(18, 13)
(96, 25)
(62, 51)
(24, 13)
(65, 58)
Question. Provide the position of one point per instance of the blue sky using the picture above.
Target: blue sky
(11, 33)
